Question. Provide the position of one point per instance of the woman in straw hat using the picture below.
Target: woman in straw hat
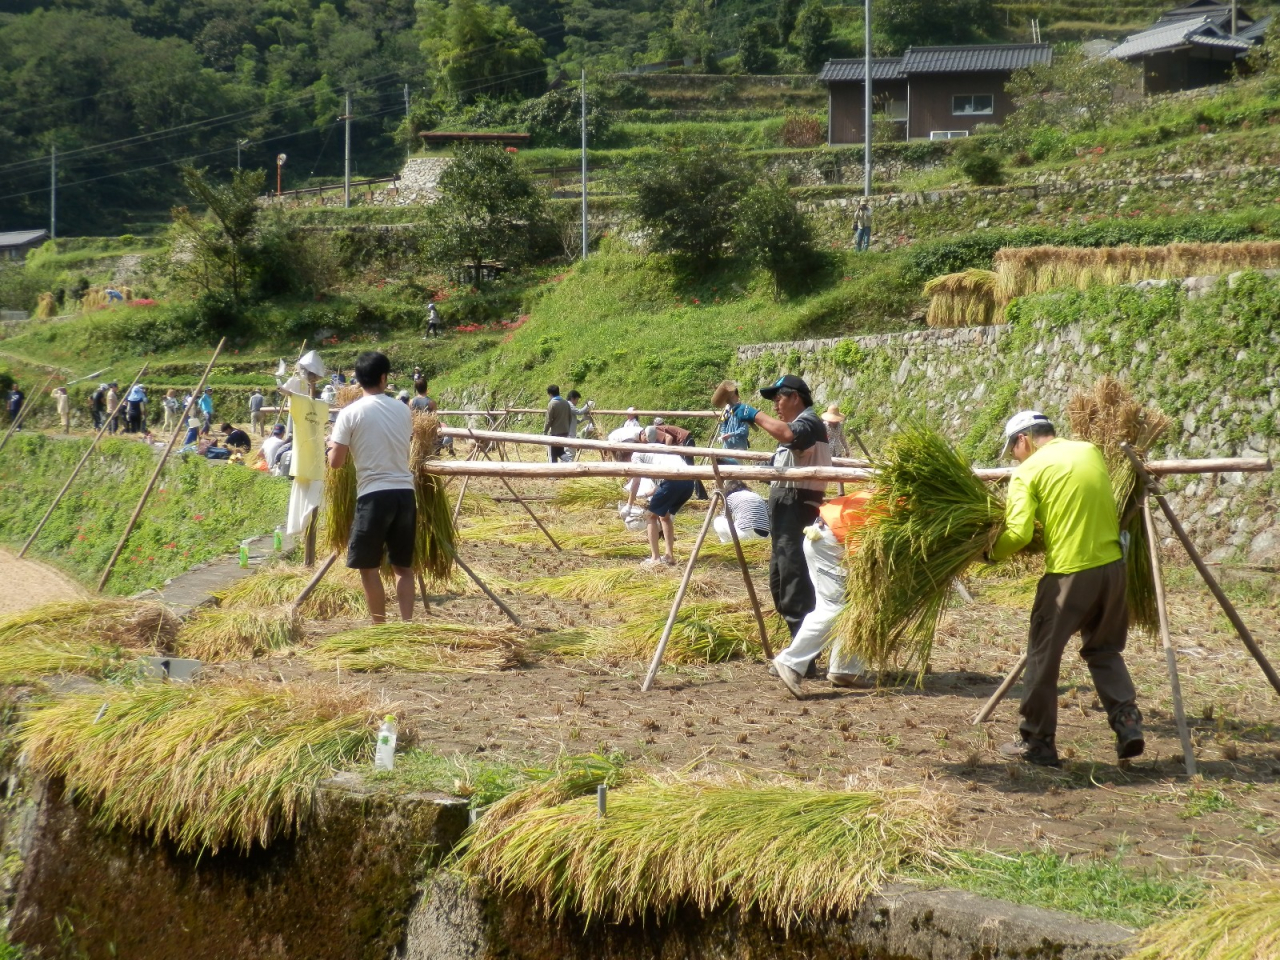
(834, 420)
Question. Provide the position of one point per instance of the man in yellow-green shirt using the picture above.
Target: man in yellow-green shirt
(1064, 486)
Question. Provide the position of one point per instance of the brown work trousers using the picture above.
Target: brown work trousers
(1091, 602)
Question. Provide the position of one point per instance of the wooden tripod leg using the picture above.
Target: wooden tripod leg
(527, 509)
(742, 565)
(422, 586)
(675, 607)
(510, 614)
(1170, 656)
(988, 708)
(313, 582)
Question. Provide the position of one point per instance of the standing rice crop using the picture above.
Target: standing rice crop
(237, 633)
(430, 647)
(204, 766)
(107, 622)
(1108, 416)
(790, 852)
(334, 596)
(931, 518)
(1242, 922)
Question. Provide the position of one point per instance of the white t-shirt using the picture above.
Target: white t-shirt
(271, 446)
(659, 459)
(628, 434)
(377, 430)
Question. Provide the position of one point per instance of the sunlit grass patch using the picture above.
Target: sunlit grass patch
(204, 766)
(430, 647)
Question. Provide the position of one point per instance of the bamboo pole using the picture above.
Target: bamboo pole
(146, 493)
(79, 466)
(1170, 656)
(280, 409)
(988, 708)
(426, 604)
(1211, 582)
(313, 582)
(466, 480)
(22, 413)
(702, 414)
(529, 510)
(684, 586)
(510, 614)
(742, 565)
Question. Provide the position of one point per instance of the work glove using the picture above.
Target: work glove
(591, 404)
(744, 412)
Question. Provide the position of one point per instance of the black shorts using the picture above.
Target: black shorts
(384, 518)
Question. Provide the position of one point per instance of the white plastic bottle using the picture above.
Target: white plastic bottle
(384, 756)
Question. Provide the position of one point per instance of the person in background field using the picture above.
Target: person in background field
(793, 504)
(14, 404)
(732, 434)
(834, 420)
(329, 393)
(1064, 487)
(632, 420)
(98, 406)
(193, 432)
(750, 514)
(271, 446)
(577, 414)
(236, 438)
(557, 420)
(169, 404)
(433, 320)
(206, 408)
(64, 407)
(862, 226)
(403, 397)
(665, 502)
(376, 431)
(256, 402)
(134, 408)
(113, 401)
(421, 403)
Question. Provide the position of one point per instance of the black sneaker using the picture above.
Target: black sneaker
(1028, 752)
(1129, 739)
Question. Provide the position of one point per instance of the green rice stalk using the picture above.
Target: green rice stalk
(1241, 923)
(237, 633)
(933, 518)
(206, 767)
(793, 853)
(433, 647)
(335, 595)
(106, 622)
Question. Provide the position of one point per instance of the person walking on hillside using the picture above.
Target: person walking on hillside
(556, 424)
(64, 407)
(1064, 486)
(793, 504)
(433, 320)
(375, 431)
(256, 402)
(113, 404)
(206, 409)
(14, 404)
(862, 226)
(98, 406)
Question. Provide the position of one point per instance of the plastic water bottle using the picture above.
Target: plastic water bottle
(244, 554)
(384, 756)
(278, 540)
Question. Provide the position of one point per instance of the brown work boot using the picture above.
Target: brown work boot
(791, 679)
(1031, 751)
(1129, 739)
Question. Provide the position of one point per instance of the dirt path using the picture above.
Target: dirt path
(28, 583)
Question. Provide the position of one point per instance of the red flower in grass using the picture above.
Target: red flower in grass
(198, 517)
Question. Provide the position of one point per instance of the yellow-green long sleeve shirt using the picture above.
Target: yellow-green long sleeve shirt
(1066, 487)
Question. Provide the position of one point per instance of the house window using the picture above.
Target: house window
(973, 103)
(947, 134)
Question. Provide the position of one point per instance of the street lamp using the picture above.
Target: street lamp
(239, 145)
(280, 159)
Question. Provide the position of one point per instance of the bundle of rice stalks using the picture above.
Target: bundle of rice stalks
(1241, 923)
(708, 632)
(588, 492)
(437, 539)
(335, 596)
(105, 622)
(1024, 270)
(790, 852)
(571, 777)
(338, 508)
(932, 518)
(46, 307)
(238, 633)
(629, 585)
(434, 647)
(1108, 416)
(204, 766)
(965, 299)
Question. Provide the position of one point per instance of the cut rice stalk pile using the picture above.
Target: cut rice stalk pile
(436, 541)
(30, 660)
(334, 596)
(793, 853)
(965, 299)
(1241, 923)
(237, 633)
(432, 647)
(931, 517)
(710, 632)
(103, 622)
(589, 492)
(1108, 416)
(204, 766)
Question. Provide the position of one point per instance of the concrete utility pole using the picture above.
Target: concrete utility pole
(584, 163)
(866, 106)
(346, 157)
(408, 150)
(240, 144)
(53, 193)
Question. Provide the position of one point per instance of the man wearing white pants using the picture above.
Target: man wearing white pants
(824, 556)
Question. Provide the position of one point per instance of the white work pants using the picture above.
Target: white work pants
(824, 557)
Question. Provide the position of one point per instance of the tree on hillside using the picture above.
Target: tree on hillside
(488, 209)
(214, 254)
(685, 201)
(773, 234)
(927, 23)
(785, 18)
(754, 54)
(475, 49)
(1074, 92)
(555, 118)
(812, 35)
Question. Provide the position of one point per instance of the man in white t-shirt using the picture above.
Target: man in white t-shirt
(376, 431)
(665, 502)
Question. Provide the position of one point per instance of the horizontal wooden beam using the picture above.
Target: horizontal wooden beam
(494, 414)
